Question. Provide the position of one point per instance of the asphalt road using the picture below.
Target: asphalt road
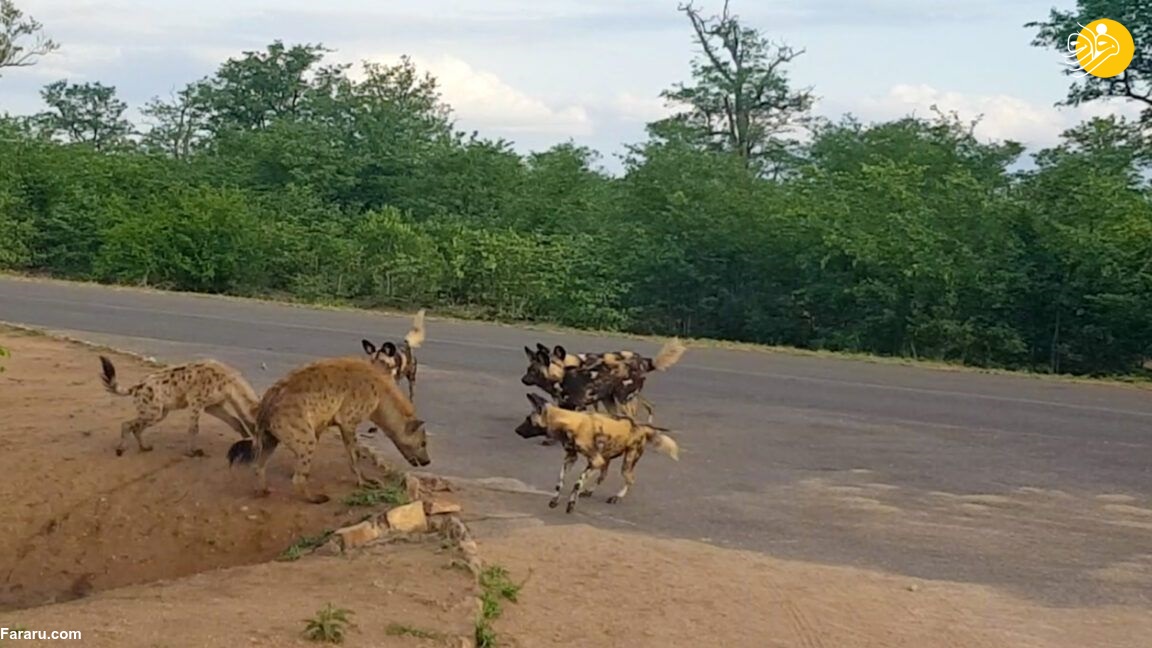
(1039, 486)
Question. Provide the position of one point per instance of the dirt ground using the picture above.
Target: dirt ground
(158, 549)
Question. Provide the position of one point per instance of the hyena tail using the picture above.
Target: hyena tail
(664, 443)
(415, 336)
(244, 451)
(108, 377)
(669, 355)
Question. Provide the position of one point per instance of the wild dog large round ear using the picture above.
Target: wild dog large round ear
(369, 348)
(529, 352)
(537, 402)
(540, 348)
(559, 352)
(388, 349)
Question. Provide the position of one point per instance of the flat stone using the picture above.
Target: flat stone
(408, 518)
(359, 535)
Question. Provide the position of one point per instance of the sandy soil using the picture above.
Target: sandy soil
(77, 518)
(157, 549)
(589, 587)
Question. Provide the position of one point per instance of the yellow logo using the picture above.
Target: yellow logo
(1102, 48)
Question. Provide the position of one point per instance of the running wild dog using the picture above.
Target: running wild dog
(334, 392)
(600, 438)
(586, 380)
(401, 362)
(203, 386)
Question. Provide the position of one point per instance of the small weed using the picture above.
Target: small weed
(495, 585)
(391, 492)
(303, 545)
(328, 625)
(401, 630)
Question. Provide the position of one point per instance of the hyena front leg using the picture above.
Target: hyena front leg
(569, 459)
(348, 436)
(628, 472)
(595, 463)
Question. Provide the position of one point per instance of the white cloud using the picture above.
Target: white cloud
(1001, 116)
(482, 100)
(636, 108)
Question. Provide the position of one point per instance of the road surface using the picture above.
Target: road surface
(1039, 486)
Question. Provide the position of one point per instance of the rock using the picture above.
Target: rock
(408, 518)
(358, 535)
(330, 548)
(441, 505)
(412, 487)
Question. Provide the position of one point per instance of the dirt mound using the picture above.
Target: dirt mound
(79, 519)
(398, 595)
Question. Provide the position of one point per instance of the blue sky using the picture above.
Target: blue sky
(545, 71)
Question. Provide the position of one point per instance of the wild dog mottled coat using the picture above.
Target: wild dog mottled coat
(202, 386)
(613, 380)
(334, 392)
(401, 362)
(600, 438)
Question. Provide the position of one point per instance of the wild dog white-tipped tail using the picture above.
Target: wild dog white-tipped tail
(666, 444)
(415, 336)
(669, 354)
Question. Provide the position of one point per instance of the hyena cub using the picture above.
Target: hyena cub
(335, 392)
(401, 362)
(202, 386)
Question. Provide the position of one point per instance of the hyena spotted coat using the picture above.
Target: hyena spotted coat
(599, 438)
(334, 392)
(401, 361)
(203, 386)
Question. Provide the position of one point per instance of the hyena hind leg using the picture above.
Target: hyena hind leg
(194, 433)
(145, 418)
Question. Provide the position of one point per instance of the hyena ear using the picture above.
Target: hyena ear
(388, 349)
(559, 352)
(369, 348)
(413, 426)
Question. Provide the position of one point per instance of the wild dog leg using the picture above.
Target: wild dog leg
(599, 479)
(628, 472)
(569, 459)
(595, 463)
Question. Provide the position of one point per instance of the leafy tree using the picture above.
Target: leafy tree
(15, 28)
(740, 100)
(1135, 83)
(85, 113)
(179, 126)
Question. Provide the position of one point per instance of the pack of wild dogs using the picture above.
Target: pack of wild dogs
(591, 409)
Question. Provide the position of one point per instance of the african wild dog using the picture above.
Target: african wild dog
(401, 362)
(613, 379)
(202, 386)
(600, 438)
(334, 392)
